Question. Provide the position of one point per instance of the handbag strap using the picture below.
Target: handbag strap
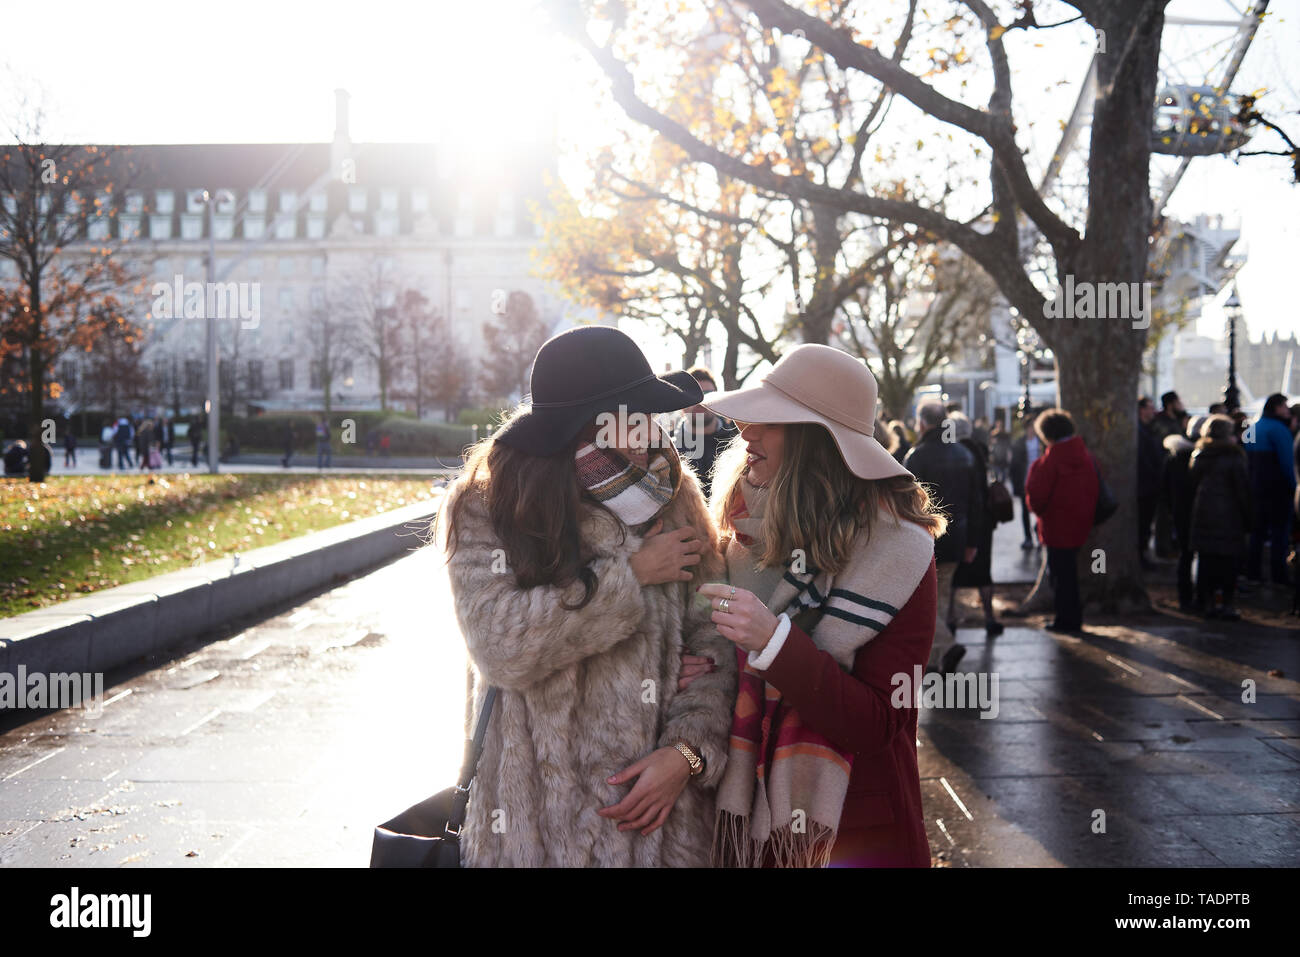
(469, 766)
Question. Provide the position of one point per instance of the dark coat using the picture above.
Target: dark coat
(979, 533)
(1177, 484)
(1062, 491)
(1221, 499)
(1020, 464)
(882, 824)
(950, 470)
(1150, 456)
(708, 447)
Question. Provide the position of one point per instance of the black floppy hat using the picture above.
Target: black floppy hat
(583, 372)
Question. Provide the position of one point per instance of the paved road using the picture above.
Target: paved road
(281, 744)
(284, 743)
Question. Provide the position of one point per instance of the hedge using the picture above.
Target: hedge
(408, 435)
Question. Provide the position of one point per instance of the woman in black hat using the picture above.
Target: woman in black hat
(574, 536)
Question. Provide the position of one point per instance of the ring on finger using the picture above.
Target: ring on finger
(724, 604)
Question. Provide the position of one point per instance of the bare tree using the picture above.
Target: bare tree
(113, 371)
(513, 338)
(1109, 246)
(903, 340)
(366, 301)
(57, 206)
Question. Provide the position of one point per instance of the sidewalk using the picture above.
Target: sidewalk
(1154, 740)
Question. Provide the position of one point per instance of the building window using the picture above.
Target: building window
(255, 375)
(253, 266)
(225, 201)
(319, 202)
(194, 201)
(314, 374)
(195, 266)
(286, 227)
(160, 227)
(286, 374)
(68, 375)
(385, 224)
(286, 300)
(288, 200)
(223, 227)
(257, 200)
(357, 199)
(419, 200)
(164, 201)
(465, 215)
(388, 200)
(254, 227)
(315, 227)
(135, 202)
(286, 265)
(318, 265)
(317, 297)
(191, 227)
(193, 375)
(506, 215)
(97, 229)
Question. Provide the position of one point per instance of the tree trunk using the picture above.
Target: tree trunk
(1099, 360)
(36, 413)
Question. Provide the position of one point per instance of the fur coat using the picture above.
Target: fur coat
(586, 693)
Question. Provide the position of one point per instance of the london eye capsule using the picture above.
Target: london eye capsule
(1196, 121)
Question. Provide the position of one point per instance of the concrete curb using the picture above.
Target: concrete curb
(112, 627)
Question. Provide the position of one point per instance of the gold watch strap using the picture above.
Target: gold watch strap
(694, 760)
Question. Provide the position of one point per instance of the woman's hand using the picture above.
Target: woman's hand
(693, 666)
(666, 556)
(661, 775)
(746, 620)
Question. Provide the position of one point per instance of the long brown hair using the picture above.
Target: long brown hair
(815, 503)
(534, 504)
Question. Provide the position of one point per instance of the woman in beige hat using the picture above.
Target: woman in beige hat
(829, 544)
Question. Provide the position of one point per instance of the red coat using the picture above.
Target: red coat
(882, 824)
(1062, 491)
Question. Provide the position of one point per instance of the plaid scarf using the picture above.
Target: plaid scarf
(783, 791)
(634, 494)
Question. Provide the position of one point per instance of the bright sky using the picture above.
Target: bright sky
(137, 71)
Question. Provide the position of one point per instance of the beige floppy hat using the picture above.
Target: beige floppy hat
(814, 383)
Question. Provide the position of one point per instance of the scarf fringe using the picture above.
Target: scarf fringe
(734, 846)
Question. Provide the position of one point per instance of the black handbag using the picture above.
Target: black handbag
(1106, 504)
(428, 834)
(1000, 505)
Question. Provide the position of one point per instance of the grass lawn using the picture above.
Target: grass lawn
(79, 534)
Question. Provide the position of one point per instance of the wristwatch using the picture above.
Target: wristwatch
(694, 760)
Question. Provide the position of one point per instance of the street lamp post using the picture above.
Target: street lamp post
(1026, 348)
(214, 389)
(1232, 308)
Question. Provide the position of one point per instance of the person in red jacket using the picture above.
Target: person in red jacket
(831, 597)
(1061, 489)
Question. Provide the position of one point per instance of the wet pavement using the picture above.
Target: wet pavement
(280, 744)
(285, 741)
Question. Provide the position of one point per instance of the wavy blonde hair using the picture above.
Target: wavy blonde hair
(816, 503)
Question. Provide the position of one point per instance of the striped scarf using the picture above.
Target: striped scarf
(783, 791)
(634, 494)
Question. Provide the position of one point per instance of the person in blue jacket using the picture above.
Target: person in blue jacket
(1273, 477)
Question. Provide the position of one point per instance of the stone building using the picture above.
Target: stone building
(314, 235)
